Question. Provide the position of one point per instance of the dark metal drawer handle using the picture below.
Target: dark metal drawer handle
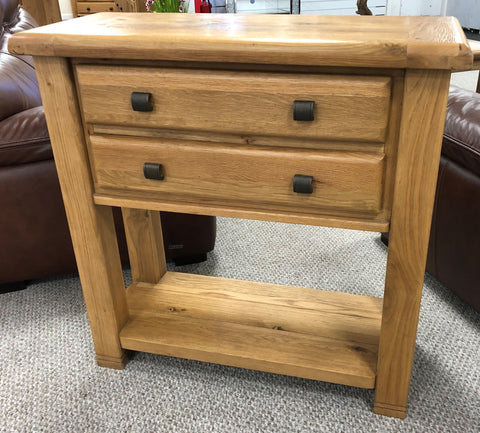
(152, 170)
(141, 101)
(303, 184)
(303, 110)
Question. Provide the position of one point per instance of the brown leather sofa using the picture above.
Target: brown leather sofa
(34, 237)
(454, 249)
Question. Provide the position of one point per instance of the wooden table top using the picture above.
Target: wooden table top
(354, 41)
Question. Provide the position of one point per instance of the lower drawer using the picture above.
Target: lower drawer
(243, 176)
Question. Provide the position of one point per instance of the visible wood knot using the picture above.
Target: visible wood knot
(278, 328)
(359, 348)
(172, 309)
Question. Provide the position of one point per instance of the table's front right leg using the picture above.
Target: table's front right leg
(420, 140)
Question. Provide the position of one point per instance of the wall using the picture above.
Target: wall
(393, 7)
(467, 12)
(339, 7)
(415, 7)
(66, 9)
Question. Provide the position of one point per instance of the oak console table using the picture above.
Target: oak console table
(333, 121)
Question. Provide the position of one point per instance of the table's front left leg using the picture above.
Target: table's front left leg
(91, 226)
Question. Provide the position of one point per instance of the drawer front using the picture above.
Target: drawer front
(242, 103)
(96, 6)
(239, 176)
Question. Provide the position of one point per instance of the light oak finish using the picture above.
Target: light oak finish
(243, 102)
(136, 200)
(95, 7)
(375, 169)
(86, 7)
(423, 114)
(74, 8)
(44, 11)
(300, 332)
(91, 227)
(315, 40)
(244, 139)
(475, 47)
(237, 176)
(143, 230)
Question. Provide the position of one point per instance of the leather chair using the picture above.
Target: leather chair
(454, 249)
(34, 236)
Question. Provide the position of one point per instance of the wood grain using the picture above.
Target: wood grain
(44, 11)
(91, 227)
(74, 8)
(238, 102)
(475, 47)
(271, 306)
(81, 7)
(391, 144)
(301, 332)
(138, 201)
(257, 325)
(245, 139)
(143, 230)
(251, 177)
(96, 6)
(422, 119)
(390, 42)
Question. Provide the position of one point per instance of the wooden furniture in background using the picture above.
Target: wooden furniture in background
(87, 7)
(475, 47)
(368, 152)
(362, 8)
(44, 11)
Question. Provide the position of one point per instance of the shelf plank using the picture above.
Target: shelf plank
(308, 333)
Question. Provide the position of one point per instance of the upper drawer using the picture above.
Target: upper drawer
(245, 103)
(92, 7)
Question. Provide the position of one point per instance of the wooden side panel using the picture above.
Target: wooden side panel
(423, 115)
(91, 226)
(143, 230)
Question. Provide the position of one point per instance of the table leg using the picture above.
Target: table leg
(420, 139)
(91, 226)
(143, 229)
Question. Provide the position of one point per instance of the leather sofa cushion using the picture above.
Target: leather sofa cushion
(461, 140)
(24, 138)
(8, 10)
(18, 82)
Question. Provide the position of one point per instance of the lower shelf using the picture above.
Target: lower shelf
(308, 333)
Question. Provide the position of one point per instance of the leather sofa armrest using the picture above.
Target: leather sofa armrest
(461, 142)
(24, 138)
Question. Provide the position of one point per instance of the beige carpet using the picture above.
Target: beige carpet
(49, 381)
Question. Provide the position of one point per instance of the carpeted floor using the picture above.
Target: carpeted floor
(49, 381)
